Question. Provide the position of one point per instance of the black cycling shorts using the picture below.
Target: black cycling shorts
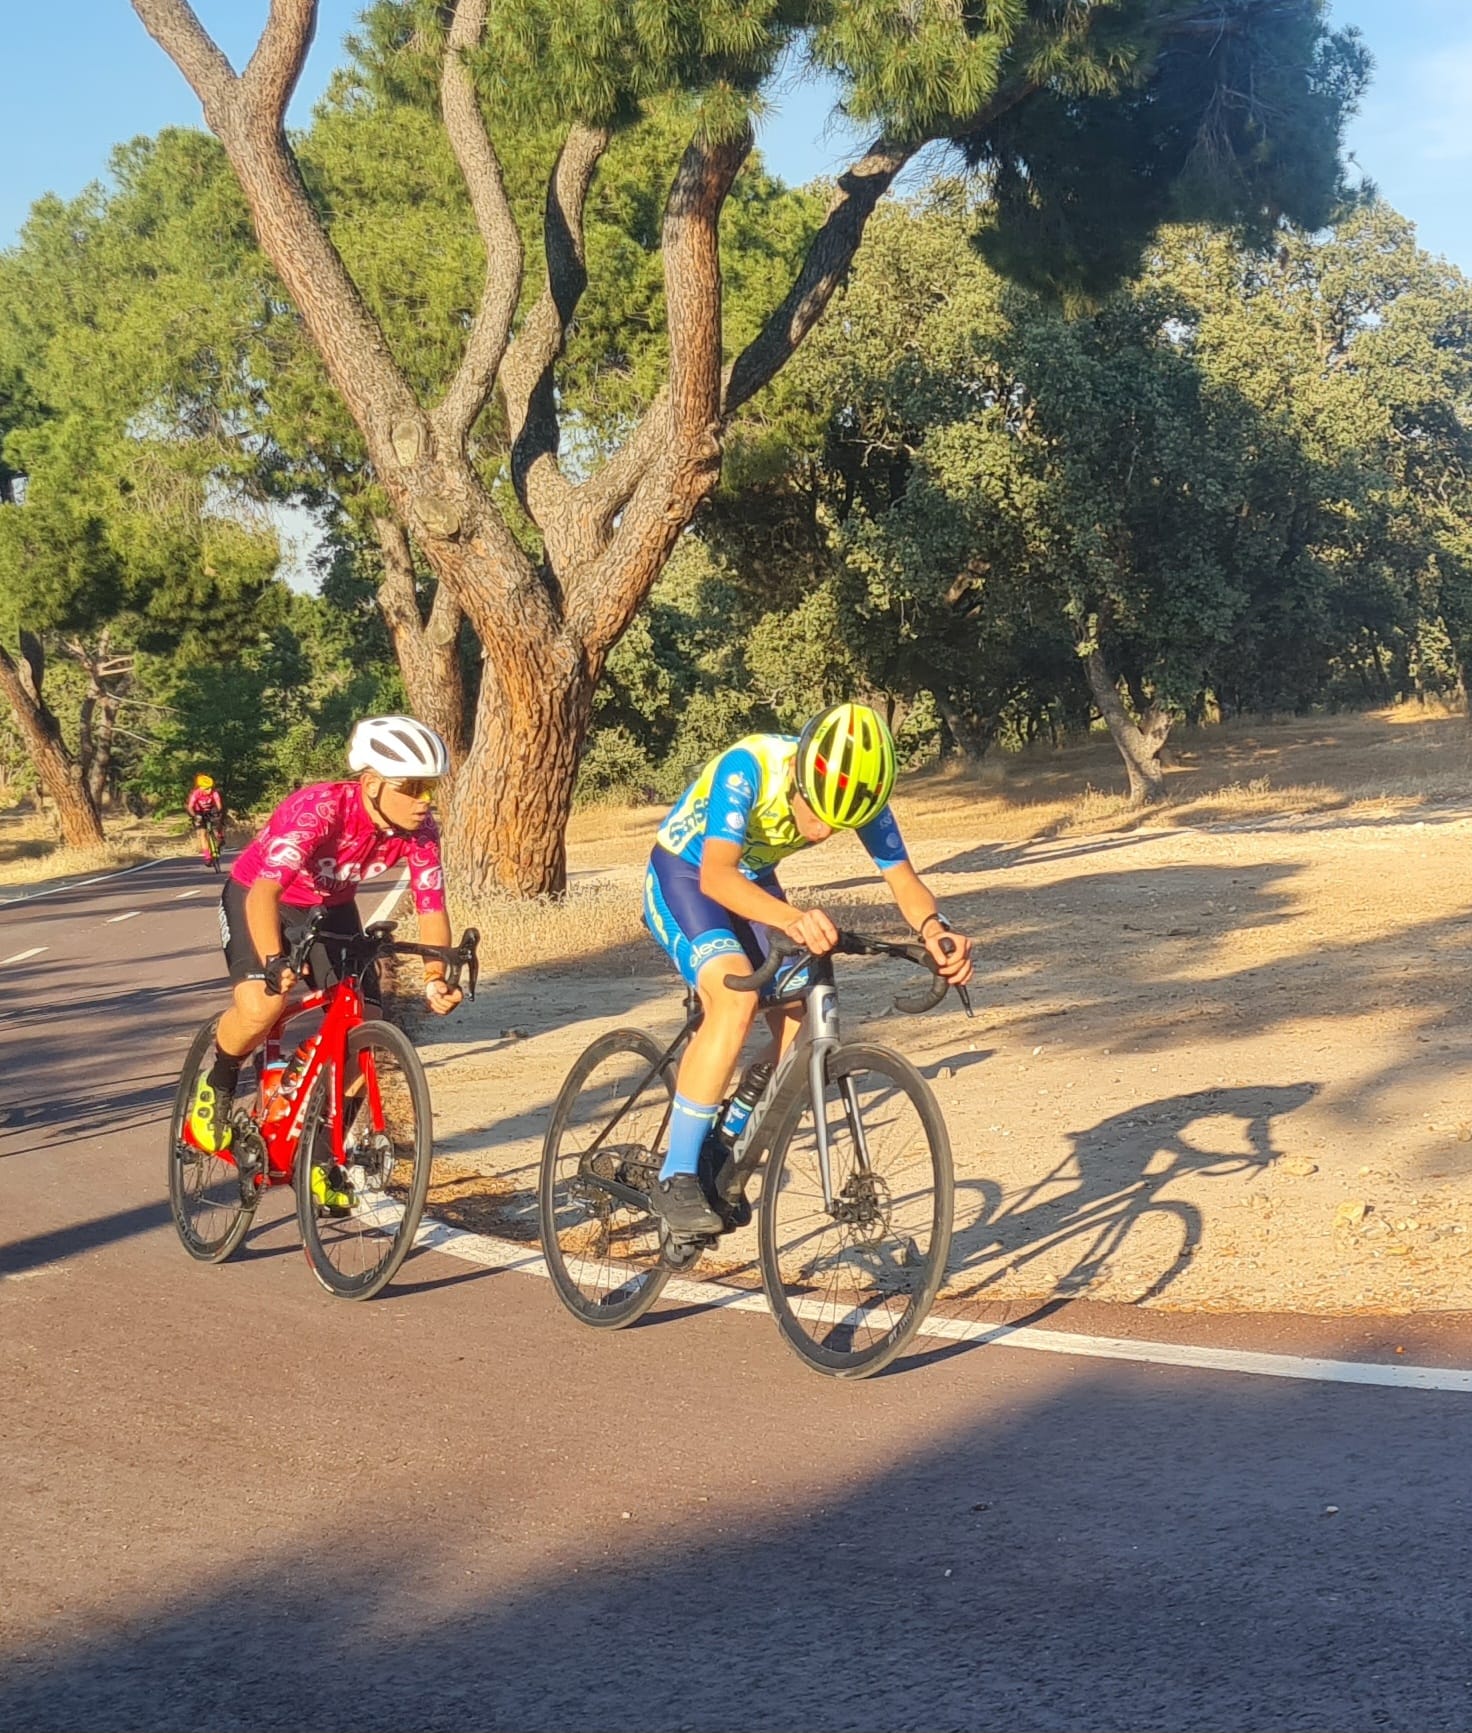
(322, 960)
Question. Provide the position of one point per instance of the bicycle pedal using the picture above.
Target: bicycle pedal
(680, 1251)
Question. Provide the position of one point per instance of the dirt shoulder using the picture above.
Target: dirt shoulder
(1220, 1067)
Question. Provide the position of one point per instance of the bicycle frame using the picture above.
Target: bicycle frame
(804, 1063)
(282, 1134)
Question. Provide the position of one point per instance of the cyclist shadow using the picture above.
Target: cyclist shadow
(1105, 1201)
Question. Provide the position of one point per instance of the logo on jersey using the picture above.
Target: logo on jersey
(431, 879)
(284, 851)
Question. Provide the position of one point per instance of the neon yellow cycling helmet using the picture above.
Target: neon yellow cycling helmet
(203, 781)
(846, 765)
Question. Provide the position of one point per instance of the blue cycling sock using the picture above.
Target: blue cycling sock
(690, 1123)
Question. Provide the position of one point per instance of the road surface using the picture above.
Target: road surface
(230, 1501)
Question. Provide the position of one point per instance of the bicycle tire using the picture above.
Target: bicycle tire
(215, 1173)
(378, 1232)
(850, 1342)
(567, 1219)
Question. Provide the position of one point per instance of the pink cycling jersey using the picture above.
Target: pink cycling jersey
(320, 844)
(202, 800)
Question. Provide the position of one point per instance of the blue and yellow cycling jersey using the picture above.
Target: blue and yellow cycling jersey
(743, 796)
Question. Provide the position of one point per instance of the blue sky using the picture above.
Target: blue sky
(78, 76)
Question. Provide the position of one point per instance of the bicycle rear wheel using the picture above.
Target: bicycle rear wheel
(850, 1285)
(211, 1214)
(355, 1246)
(603, 1249)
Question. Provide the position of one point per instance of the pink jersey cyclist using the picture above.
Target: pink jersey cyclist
(317, 849)
(203, 802)
(320, 845)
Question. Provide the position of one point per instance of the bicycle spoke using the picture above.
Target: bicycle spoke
(852, 1278)
(607, 1128)
(359, 1214)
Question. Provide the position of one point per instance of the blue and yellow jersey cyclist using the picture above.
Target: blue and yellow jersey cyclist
(712, 888)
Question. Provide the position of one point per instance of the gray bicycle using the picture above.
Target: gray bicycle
(856, 1198)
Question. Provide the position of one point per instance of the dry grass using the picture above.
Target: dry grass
(601, 919)
(1362, 766)
(31, 854)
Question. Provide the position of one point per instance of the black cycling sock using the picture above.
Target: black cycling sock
(224, 1073)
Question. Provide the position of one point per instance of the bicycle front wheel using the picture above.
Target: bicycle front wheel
(210, 1211)
(851, 1282)
(601, 1244)
(358, 1216)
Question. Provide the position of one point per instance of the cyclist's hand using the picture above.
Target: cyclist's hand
(279, 978)
(440, 998)
(813, 931)
(952, 953)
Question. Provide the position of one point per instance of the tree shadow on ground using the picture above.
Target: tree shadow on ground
(1052, 1548)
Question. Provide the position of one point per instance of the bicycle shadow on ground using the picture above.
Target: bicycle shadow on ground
(1104, 1209)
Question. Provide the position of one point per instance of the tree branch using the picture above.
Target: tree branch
(173, 25)
(276, 65)
(475, 377)
(245, 116)
(526, 373)
(669, 491)
(832, 252)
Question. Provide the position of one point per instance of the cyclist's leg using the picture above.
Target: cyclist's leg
(244, 1026)
(706, 943)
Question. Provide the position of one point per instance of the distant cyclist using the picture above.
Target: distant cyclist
(712, 886)
(316, 849)
(205, 809)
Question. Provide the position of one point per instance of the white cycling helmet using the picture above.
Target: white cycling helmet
(397, 746)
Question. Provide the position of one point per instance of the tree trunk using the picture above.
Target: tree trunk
(58, 771)
(972, 742)
(101, 712)
(428, 652)
(1139, 743)
(508, 814)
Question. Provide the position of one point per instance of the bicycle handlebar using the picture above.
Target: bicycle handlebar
(378, 941)
(856, 945)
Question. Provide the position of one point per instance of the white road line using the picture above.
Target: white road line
(198, 891)
(77, 884)
(381, 912)
(20, 956)
(112, 920)
(507, 1255)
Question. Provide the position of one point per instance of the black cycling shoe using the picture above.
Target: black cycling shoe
(682, 1202)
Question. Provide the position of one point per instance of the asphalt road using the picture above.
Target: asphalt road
(230, 1501)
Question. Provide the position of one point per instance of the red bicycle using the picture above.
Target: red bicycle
(346, 1118)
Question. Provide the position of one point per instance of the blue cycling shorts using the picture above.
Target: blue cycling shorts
(690, 927)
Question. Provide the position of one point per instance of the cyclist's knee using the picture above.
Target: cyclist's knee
(724, 1004)
(255, 1007)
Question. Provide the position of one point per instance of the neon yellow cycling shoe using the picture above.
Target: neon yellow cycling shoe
(327, 1196)
(205, 1132)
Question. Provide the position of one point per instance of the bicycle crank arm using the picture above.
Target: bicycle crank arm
(616, 1189)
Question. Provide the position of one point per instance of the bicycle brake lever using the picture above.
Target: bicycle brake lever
(965, 998)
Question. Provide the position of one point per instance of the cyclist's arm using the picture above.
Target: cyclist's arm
(920, 909)
(263, 918)
(723, 881)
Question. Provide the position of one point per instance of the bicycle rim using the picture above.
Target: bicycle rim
(603, 1251)
(204, 1190)
(849, 1286)
(358, 1223)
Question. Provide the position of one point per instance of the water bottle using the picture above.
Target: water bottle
(287, 1079)
(273, 1103)
(748, 1092)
